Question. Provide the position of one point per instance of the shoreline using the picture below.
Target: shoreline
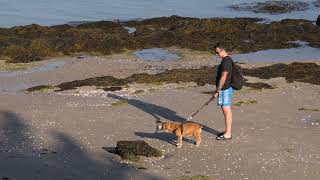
(49, 72)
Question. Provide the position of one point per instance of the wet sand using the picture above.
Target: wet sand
(50, 135)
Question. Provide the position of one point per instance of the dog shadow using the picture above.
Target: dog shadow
(159, 111)
(163, 136)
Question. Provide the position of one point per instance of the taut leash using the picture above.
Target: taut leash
(189, 118)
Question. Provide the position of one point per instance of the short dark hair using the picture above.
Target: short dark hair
(220, 45)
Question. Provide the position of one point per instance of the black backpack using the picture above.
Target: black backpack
(237, 79)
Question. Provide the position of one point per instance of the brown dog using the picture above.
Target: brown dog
(184, 129)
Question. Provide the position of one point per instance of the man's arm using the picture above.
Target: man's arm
(223, 78)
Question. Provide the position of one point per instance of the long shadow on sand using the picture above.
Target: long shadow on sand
(159, 111)
(21, 158)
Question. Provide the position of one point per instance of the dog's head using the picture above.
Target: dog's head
(164, 126)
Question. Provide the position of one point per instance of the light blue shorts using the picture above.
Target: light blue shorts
(225, 97)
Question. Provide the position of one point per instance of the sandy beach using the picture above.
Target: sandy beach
(62, 135)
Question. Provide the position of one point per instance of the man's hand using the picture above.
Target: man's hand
(215, 94)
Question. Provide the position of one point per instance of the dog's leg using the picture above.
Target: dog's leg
(179, 141)
(198, 137)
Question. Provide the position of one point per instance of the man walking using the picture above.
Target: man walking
(224, 90)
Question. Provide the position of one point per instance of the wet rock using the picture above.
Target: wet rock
(131, 150)
(105, 81)
(113, 88)
(259, 85)
(272, 7)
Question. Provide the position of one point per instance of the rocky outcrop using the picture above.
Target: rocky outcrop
(272, 7)
(34, 42)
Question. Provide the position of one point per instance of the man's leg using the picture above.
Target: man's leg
(228, 120)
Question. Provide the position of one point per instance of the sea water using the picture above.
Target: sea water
(49, 12)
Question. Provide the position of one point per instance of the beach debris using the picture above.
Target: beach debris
(120, 102)
(140, 91)
(41, 88)
(113, 88)
(131, 150)
(310, 120)
(240, 103)
(193, 178)
(309, 109)
(80, 57)
(258, 85)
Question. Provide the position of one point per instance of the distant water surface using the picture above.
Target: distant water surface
(156, 54)
(53, 12)
(301, 53)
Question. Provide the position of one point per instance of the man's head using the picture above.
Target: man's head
(220, 50)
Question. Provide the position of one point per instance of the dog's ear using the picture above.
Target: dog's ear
(158, 121)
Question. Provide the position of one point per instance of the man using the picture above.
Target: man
(224, 90)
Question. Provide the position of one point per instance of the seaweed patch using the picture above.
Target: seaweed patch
(131, 150)
(34, 42)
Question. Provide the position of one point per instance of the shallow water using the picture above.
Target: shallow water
(303, 53)
(156, 54)
(48, 12)
(44, 68)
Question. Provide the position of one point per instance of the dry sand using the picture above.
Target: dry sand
(46, 135)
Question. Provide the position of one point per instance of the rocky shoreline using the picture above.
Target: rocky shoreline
(35, 42)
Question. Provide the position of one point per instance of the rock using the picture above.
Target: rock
(131, 150)
(272, 7)
(318, 21)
